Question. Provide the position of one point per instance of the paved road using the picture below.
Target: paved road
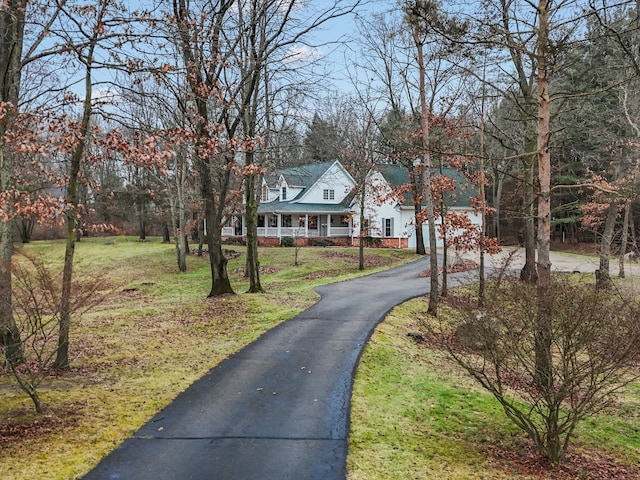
(279, 408)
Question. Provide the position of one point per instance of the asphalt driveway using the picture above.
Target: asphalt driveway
(279, 408)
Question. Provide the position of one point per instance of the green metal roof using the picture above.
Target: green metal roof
(398, 175)
(306, 175)
(286, 207)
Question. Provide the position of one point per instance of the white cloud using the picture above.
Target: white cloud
(302, 54)
(102, 96)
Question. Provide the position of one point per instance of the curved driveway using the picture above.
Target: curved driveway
(279, 408)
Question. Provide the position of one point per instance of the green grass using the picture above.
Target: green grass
(155, 334)
(416, 414)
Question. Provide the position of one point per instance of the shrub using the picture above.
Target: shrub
(287, 242)
(36, 308)
(594, 339)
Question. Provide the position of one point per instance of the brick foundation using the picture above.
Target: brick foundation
(336, 242)
(384, 243)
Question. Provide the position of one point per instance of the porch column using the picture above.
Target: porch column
(279, 222)
(306, 225)
(328, 225)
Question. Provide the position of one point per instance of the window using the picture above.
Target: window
(286, 220)
(339, 221)
(313, 222)
(261, 221)
(273, 221)
(328, 194)
(265, 193)
(283, 195)
(387, 226)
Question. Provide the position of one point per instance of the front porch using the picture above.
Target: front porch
(301, 225)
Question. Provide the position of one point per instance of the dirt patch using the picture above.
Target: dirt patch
(322, 274)
(334, 254)
(583, 465)
(263, 271)
(22, 424)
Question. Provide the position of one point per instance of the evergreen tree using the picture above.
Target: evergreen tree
(323, 142)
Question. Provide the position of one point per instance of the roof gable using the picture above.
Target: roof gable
(306, 175)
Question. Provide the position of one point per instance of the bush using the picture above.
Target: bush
(594, 337)
(36, 308)
(287, 242)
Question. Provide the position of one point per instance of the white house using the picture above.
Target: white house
(316, 201)
(311, 201)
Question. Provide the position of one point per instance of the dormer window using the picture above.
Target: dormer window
(283, 194)
(328, 194)
(265, 193)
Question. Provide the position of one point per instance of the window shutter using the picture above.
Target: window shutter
(391, 228)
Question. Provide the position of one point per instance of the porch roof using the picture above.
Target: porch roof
(310, 208)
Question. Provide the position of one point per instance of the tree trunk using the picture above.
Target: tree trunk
(529, 272)
(432, 309)
(632, 230)
(12, 18)
(625, 238)
(11, 341)
(142, 219)
(220, 284)
(497, 201)
(251, 218)
(166, 236)
(483, 203)
(603, 278)
(179, 213)
(62, 357)
(25, 225)
(543, 331)
(445, 256)
(251, 196)
(28, 387)
(141, 201)
(201, 238)
(417, 189)
(181, 244)
(177, 235)
(363, 202)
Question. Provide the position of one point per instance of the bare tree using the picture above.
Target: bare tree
(37, 301)
(384, 56)
(86, 43)
(279, 80)
(593, 337)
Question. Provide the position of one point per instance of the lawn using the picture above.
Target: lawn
(415, 414)
(153, 335)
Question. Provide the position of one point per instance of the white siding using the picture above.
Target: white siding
(475, 219)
